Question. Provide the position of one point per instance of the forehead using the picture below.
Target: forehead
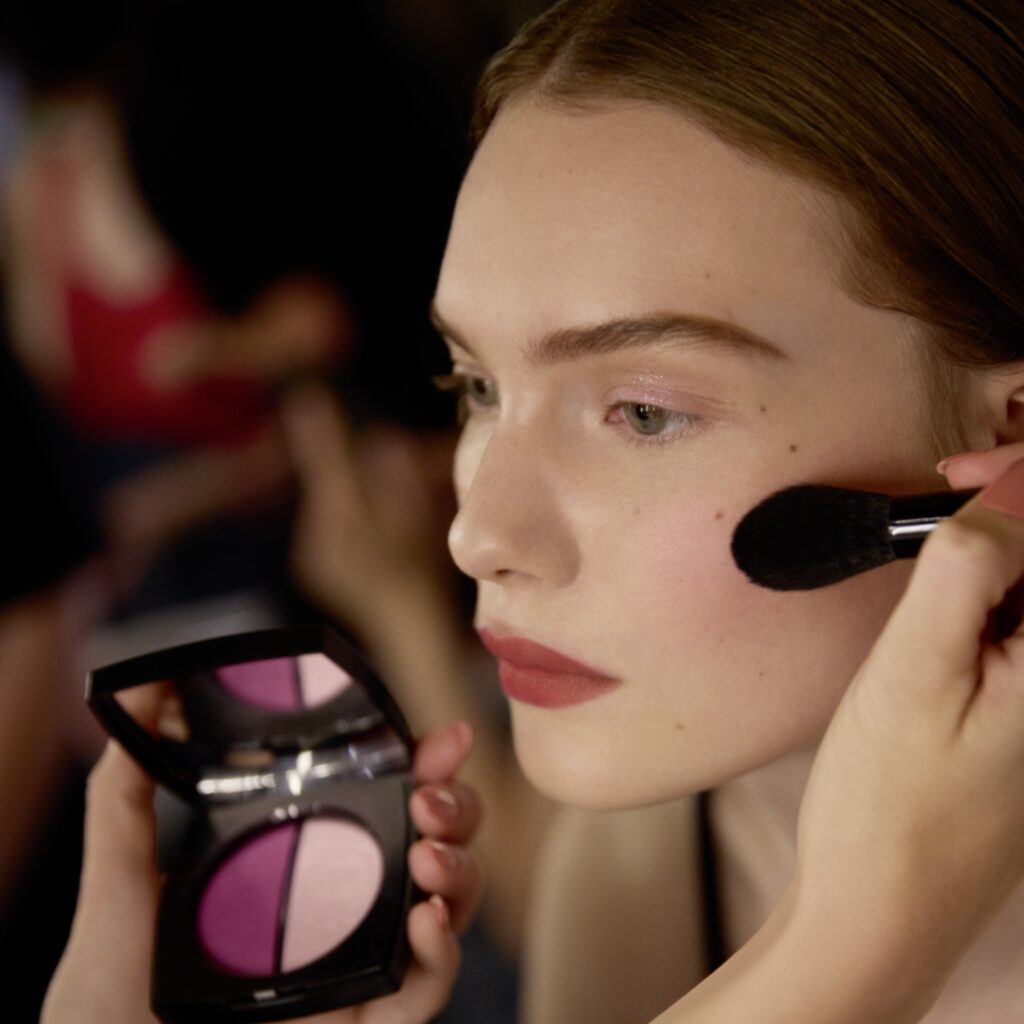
(573, 217)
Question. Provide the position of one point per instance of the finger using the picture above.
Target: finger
(450, 871)
(963, 573)
(119, 862)
(392, 466)
(451, 811)
(119, 873)
(429, 980)
(440, 753)
(319, 441)
(978, 469)
(437, 955)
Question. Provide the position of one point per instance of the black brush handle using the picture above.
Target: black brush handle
(912, 518)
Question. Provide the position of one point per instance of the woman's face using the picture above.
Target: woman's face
(655, 340)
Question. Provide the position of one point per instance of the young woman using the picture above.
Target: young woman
(705, 251)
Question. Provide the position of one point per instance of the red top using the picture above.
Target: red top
(107, 393)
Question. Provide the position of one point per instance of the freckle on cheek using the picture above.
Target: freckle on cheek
(793, 447)
(719, 515)
(764, 408)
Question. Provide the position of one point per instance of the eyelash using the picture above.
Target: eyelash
(462, 384)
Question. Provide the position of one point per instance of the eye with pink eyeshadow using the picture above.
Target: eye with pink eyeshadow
(646, 423)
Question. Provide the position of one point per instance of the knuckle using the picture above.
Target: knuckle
(958, 543)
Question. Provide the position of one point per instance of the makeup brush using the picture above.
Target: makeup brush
(810, 536)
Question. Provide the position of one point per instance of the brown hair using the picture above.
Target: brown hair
(910, 110)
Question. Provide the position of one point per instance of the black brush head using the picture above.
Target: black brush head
(810, 536)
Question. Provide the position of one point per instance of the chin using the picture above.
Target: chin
(575, 763)
(591, 772)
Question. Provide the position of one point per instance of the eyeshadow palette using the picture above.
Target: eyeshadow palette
(288, 888)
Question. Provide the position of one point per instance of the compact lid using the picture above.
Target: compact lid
(271, 712)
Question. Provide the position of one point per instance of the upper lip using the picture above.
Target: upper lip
(530, 654)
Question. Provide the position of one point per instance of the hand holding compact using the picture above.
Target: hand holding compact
(105, 973)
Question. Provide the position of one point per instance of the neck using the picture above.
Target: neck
(754, 819)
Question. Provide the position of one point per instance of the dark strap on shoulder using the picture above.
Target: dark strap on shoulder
(714, 939)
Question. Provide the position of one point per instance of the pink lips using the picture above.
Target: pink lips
(534, 674)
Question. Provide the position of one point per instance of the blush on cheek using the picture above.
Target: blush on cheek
(703, 613)
(691, 562)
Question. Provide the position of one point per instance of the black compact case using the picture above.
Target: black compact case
(288, 890)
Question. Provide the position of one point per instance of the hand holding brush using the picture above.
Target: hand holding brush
(911, 829)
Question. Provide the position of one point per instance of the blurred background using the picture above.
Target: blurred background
(220, 228)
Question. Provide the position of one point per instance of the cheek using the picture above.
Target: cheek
(749, 668)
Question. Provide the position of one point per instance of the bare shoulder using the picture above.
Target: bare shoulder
(615, 929)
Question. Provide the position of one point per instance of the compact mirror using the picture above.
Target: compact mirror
(276, 711)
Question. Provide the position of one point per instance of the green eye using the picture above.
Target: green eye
(648, 419)
(480, 391)
(473, 392)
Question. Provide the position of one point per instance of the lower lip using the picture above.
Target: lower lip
(547, 689)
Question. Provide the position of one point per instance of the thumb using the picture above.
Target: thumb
(979, 468)
(104, 972)
(120, 880)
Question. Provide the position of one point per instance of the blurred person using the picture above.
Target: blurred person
(50, 595)
(184, 235)
(169, 272)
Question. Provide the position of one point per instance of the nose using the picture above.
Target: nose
(511, 525)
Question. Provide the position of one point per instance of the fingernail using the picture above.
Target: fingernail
(441, 802)
(950, 460)
(444, 854)
(464, 733)
(1006, 494)
(441, 910)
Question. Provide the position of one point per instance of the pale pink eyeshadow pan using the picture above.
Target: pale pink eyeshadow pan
(335, 881)
(321, 679)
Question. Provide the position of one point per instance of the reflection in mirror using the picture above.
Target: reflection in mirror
(227, 713)
(285, 684)
(257, 757)
(172, 723)
(157, 707)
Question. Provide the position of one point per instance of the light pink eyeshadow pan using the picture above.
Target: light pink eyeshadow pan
(321, 679)
(335, 880)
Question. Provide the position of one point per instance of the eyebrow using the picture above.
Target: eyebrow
(624, 334)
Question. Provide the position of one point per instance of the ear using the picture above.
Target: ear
(1015, 417)
(994, 404)
(1012, 411)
